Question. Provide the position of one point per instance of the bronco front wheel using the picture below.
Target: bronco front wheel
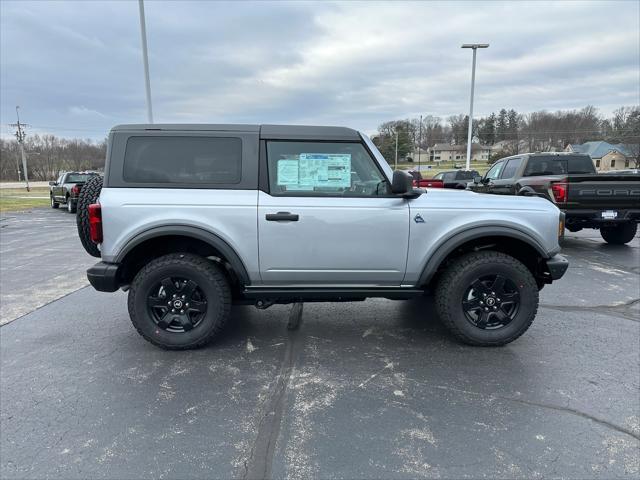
(179, 301)
(487, 298)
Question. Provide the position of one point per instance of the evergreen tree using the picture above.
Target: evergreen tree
(501, 127)
(487, 130)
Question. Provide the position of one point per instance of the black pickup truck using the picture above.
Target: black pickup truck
(66, 189)
(610, 203)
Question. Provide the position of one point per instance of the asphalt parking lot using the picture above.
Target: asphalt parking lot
(375, 389)
(41, 260)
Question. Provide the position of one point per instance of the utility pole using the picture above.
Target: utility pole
(474, 46)
(420, 143)
(396, 167)
(20, 134)
(145, 59)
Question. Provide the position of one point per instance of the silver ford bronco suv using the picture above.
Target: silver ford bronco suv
(192, 219)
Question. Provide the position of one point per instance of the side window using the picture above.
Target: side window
(494, 172)
(439, 176)
(183, 160)
(511, 168)
(323, 169)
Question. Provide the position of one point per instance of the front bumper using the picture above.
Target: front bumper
(557, 266)
(104, 276)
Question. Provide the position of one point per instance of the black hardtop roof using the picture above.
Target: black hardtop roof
(546, 154)
(274, 132)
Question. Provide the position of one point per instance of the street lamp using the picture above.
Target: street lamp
(145, 60)
(474, 46)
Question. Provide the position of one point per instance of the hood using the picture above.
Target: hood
(468, 200)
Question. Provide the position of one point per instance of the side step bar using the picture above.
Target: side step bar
(270, 296)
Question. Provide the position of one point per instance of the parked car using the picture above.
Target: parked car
(194, 218)
(456, 178)
(420, 182)
(66, 189)
(610, 203)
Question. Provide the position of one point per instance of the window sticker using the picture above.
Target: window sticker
(288, 172)
(325, 170)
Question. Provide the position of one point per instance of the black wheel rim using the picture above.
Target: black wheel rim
(176, 304)
(491, 302)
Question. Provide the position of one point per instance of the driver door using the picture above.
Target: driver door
(328, 219)
(489, 181)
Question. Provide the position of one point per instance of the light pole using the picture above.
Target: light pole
(145, 59)
(396, 164)
(420, 143)
(474, 46)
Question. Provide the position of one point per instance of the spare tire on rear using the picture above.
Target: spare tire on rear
(88, 195)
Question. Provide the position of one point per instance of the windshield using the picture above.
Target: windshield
(558, 165)
(388, 171)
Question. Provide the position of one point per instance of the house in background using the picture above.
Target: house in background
(444, 152)
(605, 156)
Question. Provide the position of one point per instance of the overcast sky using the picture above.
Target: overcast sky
(75, 68)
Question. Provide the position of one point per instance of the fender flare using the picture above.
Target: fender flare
(193, 232)
(453, 242)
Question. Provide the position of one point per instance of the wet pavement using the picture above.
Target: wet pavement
(373, 389)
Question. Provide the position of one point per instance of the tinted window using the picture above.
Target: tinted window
(494, 172)
(183, 160)
(466, 174)
(511, 168)
(79, 177)
(558, 165)
(323, 169)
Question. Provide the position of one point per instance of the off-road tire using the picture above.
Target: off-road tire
(620, 234)
(54, 204)
(88, 195)
(458, 277)
(209, 278)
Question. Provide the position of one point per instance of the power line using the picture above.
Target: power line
(20, 134)
(61, 129)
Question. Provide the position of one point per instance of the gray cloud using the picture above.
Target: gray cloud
(75, 67)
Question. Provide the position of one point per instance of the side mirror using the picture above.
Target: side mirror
(477, 179)
(53, 184)
(485, 180)
(401, 183)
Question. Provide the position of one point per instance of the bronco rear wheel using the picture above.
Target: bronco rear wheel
(487, 298)
(179, 301)
(88, 195)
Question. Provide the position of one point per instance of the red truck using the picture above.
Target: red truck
(418, 181)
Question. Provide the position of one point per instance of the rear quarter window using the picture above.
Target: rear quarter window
(558, 165)
(183, 160)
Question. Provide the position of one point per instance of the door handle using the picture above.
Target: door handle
(282, 217)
